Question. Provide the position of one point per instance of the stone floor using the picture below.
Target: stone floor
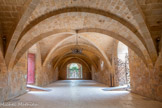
(80, 94)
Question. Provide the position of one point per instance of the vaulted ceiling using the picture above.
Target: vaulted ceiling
(53, 25)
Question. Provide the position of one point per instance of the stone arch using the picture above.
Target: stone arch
(84, 56)
(76, 58)
(40, 28)
(137, 13)
(53, 49)
(17, 55)
(25, 13)
(86, 70)
(88, 10)
(64, 50)
(140, 53)
(106, 32)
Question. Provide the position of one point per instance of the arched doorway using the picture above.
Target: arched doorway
(122, 68)
(74, 71)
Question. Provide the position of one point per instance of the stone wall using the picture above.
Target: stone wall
(145, 81)
(49, 75)
(85, 71)
(12, 81)
(102, 74)
(17, 78)
(16, 82)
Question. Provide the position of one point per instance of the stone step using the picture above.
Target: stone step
(116, 88)
(37, 88)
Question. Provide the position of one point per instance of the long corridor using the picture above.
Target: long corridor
(80, 94)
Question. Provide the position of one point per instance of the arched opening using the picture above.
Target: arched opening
(122, 68)
(74, 71)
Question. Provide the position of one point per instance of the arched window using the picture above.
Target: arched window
(74, 70)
